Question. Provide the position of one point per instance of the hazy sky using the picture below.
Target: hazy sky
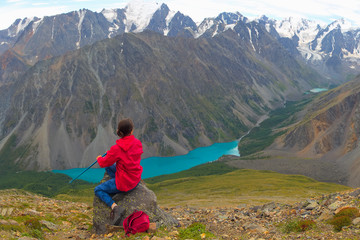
(321, 10)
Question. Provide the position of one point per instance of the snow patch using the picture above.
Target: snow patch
(310, 55)
(267, 27)
(81, 14)
(113, 29)
(354, 55)
(23, 24)
(204, 26)
(216, 31)
(251, 40)
(168, 19)
(230, 26)
(15, 30)
(36, 25)
(52, 30)
(305, 29)
(110, 14)
(139, 13)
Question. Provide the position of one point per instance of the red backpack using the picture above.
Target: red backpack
(136, 222)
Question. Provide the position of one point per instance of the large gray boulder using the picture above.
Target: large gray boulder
(141, 198)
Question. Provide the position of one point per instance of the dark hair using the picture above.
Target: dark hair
(125, 127)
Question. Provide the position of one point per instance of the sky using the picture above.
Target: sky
(324, 11)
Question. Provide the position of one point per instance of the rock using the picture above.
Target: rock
(3, 212)
(356, 221)
(3, 222)
(158, 238)
(32, 212)
(312, 205)
(152, 228)
(325, 215)
(13, 222)
(27, 238)
(254, 227)
(355, 193)
(141, 198)
(49, 225)
(6, 211)
(269, 207)
(335, 205)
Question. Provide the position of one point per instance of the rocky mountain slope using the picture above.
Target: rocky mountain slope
(328, 134)
(28, 216)
(181, 93)
(66, 79)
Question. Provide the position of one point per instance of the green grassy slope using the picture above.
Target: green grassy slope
(240, 186)
(48, 184)
(264, 135)
(211, 184)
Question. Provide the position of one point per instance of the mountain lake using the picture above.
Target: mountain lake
(316, 90)
(156, 166)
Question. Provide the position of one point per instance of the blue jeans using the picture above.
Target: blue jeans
(104, 190)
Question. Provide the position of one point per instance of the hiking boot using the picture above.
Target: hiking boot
(116, 215)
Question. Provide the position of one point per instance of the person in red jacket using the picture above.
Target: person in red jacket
(122, 163)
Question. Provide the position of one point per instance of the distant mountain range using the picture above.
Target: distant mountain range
(65, 80)
(333, 49)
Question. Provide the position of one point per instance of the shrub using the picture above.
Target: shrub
(344, 218)
(298, 226)
(340, 222)
(33, 223)
(351, 212)
(195, 231)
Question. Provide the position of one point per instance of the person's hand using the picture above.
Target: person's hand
(98, 157)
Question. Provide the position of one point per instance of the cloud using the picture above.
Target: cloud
(39, 4)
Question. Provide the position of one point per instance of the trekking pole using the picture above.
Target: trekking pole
(86, 169)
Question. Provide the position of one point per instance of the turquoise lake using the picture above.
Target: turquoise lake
(316, 90)
(156, 166)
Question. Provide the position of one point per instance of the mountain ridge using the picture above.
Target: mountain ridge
(72, 102)
(332, 49)
(320, 141)
(76, 88)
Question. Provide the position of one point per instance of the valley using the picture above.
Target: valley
(66, 80)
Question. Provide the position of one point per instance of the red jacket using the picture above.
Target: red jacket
(127, 155)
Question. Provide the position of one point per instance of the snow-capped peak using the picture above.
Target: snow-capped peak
(342, 24)
(139, 13)
(303, 28)
(230, 18)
